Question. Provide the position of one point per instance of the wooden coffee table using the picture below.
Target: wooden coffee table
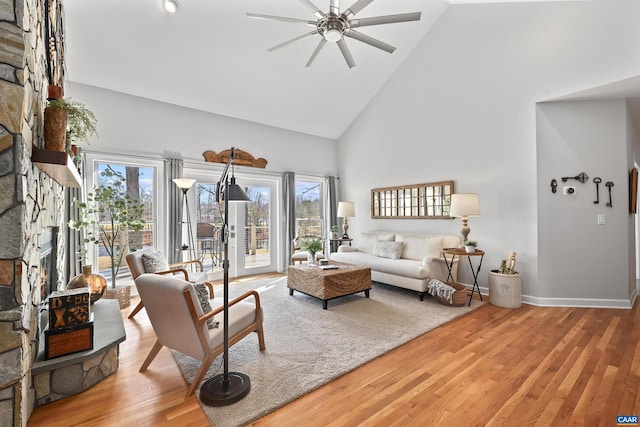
(347, 279)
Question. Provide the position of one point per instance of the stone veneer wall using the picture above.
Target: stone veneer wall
(29, 201)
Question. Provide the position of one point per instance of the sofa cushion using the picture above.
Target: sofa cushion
(368, 241)
(400, 267)
(392, 250)
(451, 241)
(418, 247)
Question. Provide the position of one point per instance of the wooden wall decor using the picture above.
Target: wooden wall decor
(242, 158)
(54, 35)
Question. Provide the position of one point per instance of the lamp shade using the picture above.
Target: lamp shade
(346, 210)
(184, 183)
(464, 204)
(236, 193)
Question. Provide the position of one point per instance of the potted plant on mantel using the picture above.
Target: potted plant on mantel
(67, 122)
(109, 217)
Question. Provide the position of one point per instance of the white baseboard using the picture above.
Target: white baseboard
(571, 302)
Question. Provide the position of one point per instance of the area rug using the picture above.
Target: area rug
(307, 346)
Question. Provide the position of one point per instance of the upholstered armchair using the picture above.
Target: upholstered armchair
(136, 262)
(178, 319)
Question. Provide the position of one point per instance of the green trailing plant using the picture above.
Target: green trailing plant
(81, 122)
(334, 228)
(108, 217)
(313, 245)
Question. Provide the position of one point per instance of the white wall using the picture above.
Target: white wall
(580, 260)
(130, 124)
(462, 107)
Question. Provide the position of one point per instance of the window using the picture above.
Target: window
(209, 222)
(309, 207)
(141, 182)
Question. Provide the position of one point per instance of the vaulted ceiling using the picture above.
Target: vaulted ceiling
(210, 56)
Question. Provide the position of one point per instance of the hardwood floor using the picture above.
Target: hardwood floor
(528, 366)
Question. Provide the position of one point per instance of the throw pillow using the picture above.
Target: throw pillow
(203, 296)
(368, 241)
(154, 262)
(391, 250)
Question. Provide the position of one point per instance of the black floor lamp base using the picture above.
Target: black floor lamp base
(214, 393)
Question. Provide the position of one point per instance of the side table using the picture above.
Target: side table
(474, 271)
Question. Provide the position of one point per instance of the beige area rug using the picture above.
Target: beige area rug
(307, 346)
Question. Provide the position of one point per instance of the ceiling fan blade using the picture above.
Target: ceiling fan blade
(316, 51)
(356, 7)
(295, 39)
(334, 7)
(314, 8)
(387, 19)
(280, 18)
(346, 53)
(370, 41)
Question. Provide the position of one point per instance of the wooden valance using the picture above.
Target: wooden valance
(242, 158)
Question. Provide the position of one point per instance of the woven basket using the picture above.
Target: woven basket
(121, 293)
(459, 297)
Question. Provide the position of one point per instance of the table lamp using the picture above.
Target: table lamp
(346, 210)
(464, 205)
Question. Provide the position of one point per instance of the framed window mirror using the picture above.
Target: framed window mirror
(424, 201)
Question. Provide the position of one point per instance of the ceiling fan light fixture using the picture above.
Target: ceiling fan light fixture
(170, 6)
(332, 35)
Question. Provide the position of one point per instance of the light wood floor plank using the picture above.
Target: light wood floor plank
(495, 367)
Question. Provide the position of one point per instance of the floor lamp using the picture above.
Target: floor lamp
(228, 387)
(185, 184)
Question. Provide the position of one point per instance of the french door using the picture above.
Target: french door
(253, 228)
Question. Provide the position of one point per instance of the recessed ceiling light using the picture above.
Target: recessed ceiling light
(170, 6)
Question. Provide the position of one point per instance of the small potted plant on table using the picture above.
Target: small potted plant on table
(470, 245)
(312, 245)
(334, 232)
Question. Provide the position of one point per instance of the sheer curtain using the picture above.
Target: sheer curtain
(173, 169)
(331, 204)
(289, 210)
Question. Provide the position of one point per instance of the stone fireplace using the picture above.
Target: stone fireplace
(30, 202)
(48, 272)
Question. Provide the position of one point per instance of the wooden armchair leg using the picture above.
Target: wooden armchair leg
(204, 367)
(152, 355)
(136, 309)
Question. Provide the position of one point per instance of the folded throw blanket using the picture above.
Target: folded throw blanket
(441, 289)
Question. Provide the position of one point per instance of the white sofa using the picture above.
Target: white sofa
(406, 260)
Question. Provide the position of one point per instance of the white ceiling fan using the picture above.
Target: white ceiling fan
(334, 26)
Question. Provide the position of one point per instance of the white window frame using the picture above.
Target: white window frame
(159, 209)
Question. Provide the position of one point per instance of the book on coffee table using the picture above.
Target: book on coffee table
(328, 267)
